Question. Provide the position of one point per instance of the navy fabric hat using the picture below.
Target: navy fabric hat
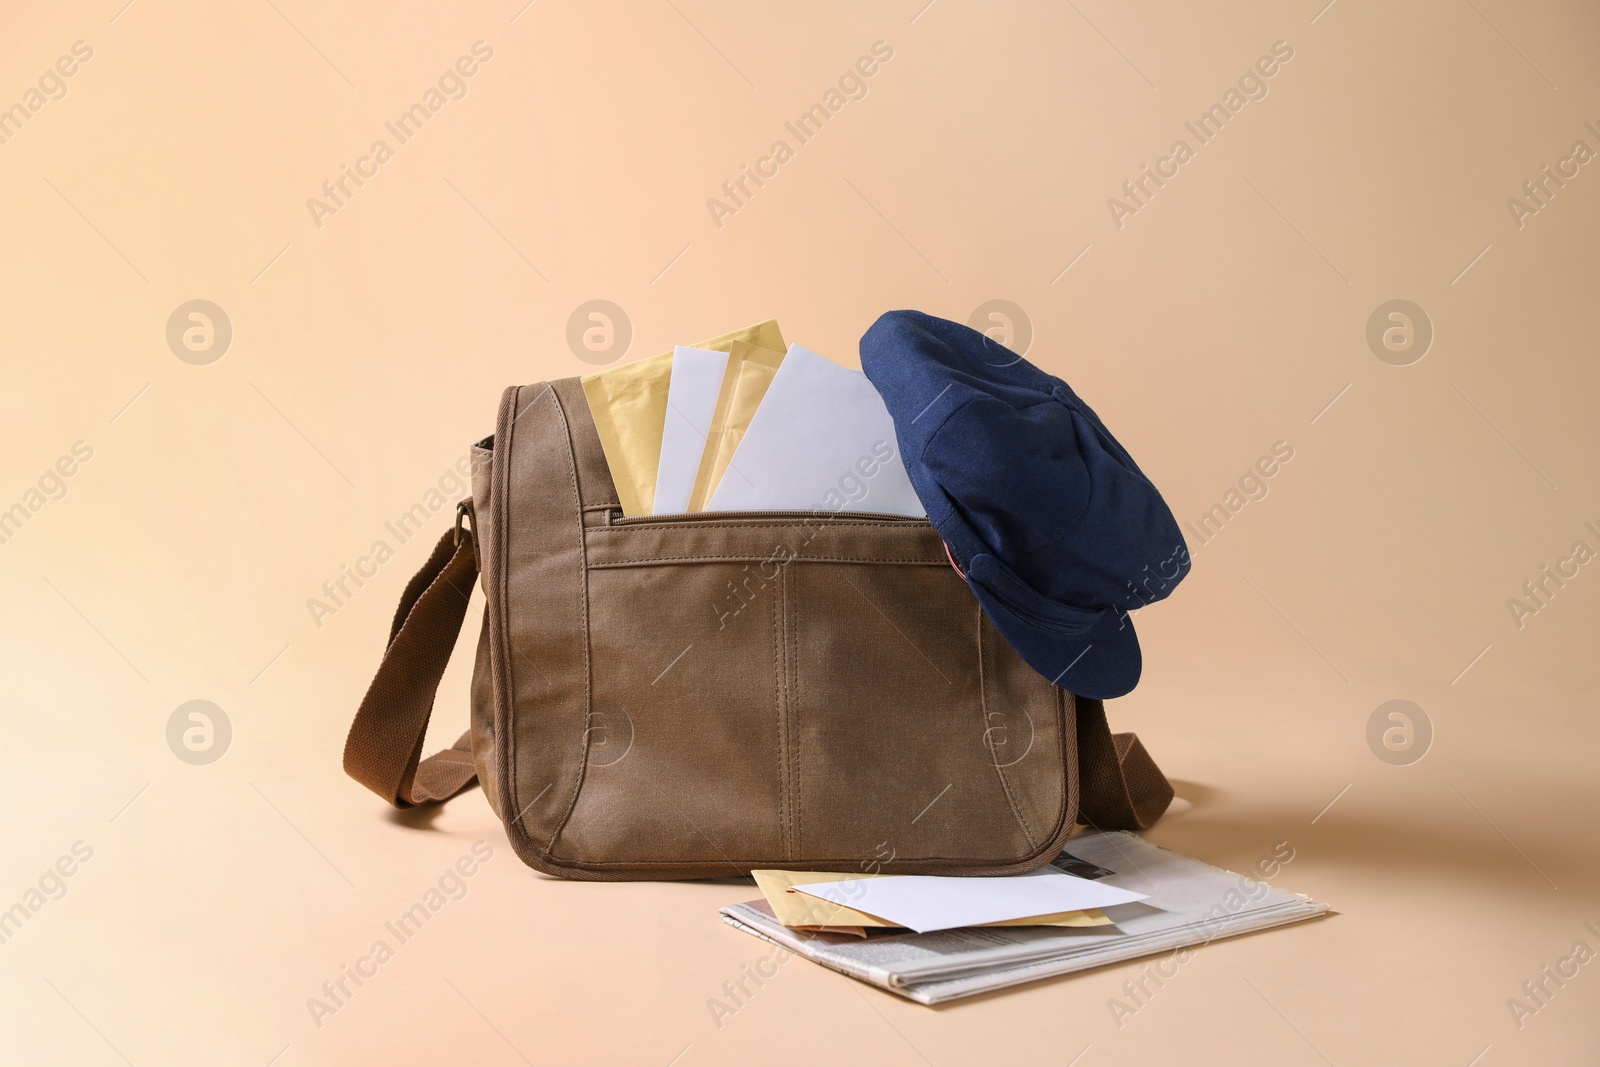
(1048, 518)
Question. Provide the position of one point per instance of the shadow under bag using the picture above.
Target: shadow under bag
(695, 696)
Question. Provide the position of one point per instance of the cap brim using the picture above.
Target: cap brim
(1101, 663)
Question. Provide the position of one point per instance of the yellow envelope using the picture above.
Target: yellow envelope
(629, 405)
(802, 909)
(750, 371)
(848, 931)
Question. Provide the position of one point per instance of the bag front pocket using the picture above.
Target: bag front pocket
(920, 743)
(683, 745)
(785, 689)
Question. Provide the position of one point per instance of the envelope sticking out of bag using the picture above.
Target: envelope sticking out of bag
(692, 396)
(750, 371)
(821, 440)
(629, 405)
(798, 909)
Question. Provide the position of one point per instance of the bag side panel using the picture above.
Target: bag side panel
(484, 748)
(485, 759)
(538, 620)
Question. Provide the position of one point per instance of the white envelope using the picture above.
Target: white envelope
(691, 400)
(821, 440)
(930, 902)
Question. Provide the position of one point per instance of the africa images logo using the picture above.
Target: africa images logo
(852, 85)
(452, 85)
(1252, 85)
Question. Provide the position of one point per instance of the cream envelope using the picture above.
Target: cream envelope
(692, 394)
(629, 405)
(798, 909)
(750, 373)
(821, 440)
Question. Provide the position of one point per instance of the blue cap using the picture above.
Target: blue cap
(1055, 528)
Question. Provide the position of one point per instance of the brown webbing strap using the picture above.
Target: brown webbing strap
(1120, 786)
(384, 749)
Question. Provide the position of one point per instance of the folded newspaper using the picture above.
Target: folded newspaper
(1187, 903)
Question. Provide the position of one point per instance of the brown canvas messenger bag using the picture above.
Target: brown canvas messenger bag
(695, 696)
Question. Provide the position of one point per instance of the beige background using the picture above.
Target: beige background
(1228, 314)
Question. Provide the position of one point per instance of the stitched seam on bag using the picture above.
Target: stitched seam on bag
(917, 525)
(925, 561)
(1072, 787)
(790, 783)
(788, 725)
(1068, 756)
(1066, 820)
(570, 454)
(789, 780)
(983, 705)
(768, 862)
(910, 523)
(505, 437)
(784, 844)
(792, 600)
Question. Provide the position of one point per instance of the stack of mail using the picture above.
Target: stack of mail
(853, 903)
(934, 939)
(742, 422)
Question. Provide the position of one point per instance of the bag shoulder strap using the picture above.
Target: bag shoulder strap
(1120, 786)
(384, 748)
